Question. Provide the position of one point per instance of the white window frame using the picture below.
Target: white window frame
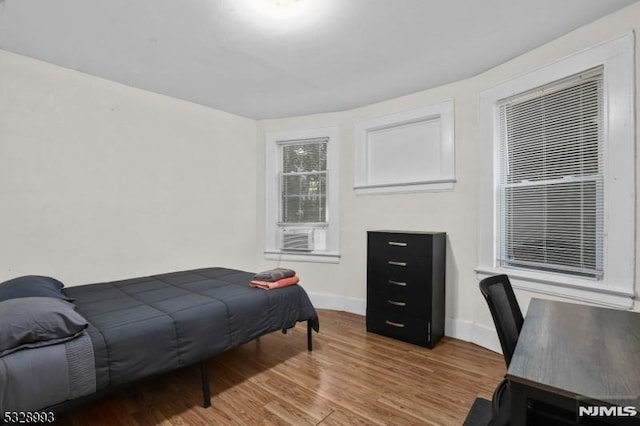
(616, 288)
(272, 203)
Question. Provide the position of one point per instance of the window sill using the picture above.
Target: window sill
(569, 288)
(302, 257)
(423, 186)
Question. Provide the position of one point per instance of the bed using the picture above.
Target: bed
(99, 337)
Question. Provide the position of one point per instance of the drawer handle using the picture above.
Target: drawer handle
(394, 303)
(397, 243)
(400, 283)
(394, 324)
(394, 263)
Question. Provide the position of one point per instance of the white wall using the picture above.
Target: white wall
(100, 181)
(453, 212)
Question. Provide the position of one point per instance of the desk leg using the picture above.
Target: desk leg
(518, 404)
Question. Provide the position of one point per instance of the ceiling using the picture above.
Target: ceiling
(280, 58)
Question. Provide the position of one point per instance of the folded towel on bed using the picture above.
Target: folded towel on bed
(268, 285)
(273, 275)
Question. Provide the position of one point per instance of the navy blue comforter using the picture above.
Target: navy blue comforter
(150, 325)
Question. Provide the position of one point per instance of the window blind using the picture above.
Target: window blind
(550, 184)
(303, 181)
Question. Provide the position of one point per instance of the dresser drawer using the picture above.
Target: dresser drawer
(402, 327)
(399, 245)
(401, 300)
(400, 270)
(417, 287)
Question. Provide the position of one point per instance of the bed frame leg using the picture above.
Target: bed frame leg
(309, 342)
(206, 392)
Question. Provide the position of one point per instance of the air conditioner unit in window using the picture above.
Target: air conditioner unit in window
(296, 239)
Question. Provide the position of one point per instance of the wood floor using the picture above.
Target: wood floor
(352, 377)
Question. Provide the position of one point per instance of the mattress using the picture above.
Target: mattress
(31, 379)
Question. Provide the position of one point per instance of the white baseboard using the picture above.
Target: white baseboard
(468, 331)
(338, 303)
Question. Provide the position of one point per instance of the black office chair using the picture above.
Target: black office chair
(508, 320)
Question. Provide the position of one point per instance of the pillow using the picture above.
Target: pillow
(32, 286)
(29, 322)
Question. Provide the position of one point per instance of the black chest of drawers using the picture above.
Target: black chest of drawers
(405, 285)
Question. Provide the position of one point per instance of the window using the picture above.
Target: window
(556, 190)
(302, 198)
(550, 177)
(303, 181)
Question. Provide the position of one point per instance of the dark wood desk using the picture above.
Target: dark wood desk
(569, 353)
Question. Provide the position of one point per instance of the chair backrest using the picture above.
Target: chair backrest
(505, 311)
